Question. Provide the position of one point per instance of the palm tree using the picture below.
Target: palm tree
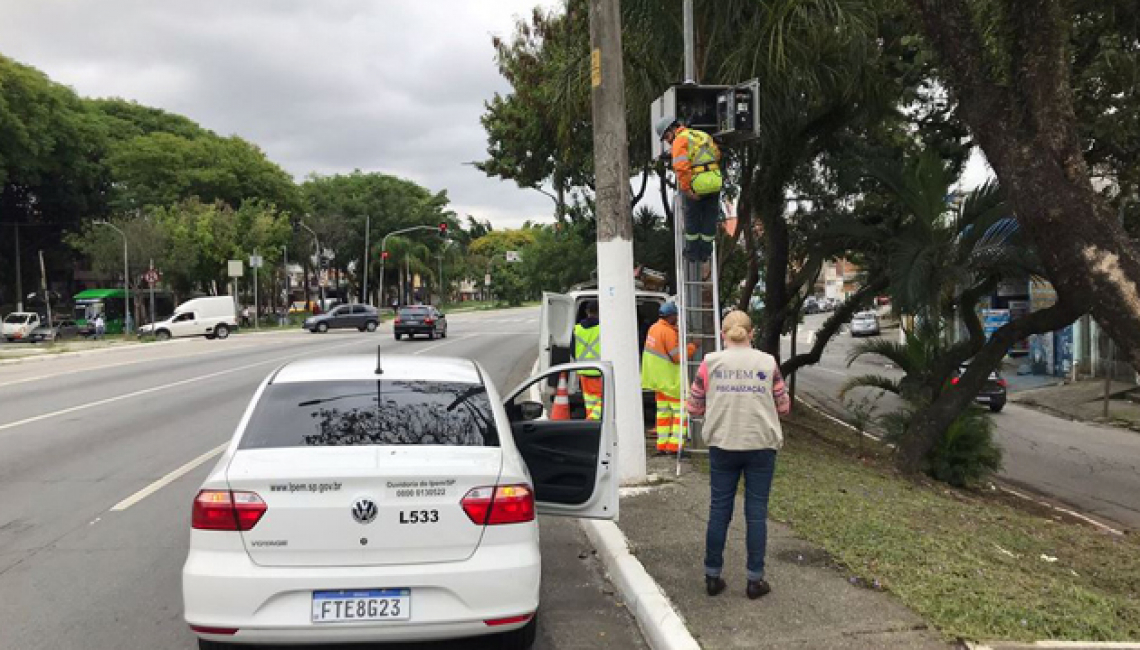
(410, 258)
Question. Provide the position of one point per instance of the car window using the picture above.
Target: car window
(184, 317)
(413, 311)
(16, 319)
(357, 413)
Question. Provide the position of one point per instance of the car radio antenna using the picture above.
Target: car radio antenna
(379, 361)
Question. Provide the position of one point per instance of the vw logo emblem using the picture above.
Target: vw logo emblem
(364, 511)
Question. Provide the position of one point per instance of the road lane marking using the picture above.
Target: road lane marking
(155, 389)
(124, 363)
(168, 479)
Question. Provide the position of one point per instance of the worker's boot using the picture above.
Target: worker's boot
(757, 588)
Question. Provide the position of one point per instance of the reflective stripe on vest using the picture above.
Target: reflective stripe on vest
(705, 156)
(588, 347)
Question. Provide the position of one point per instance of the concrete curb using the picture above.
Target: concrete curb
(661, 624)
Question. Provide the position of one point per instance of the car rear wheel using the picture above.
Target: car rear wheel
(162, 335)
(996, 408)
(222, 332)
(213, 645)
(431, 335)
(399, 336)
(322, 327)
(443, 334)
(522, 638)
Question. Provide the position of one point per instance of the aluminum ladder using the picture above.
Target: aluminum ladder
(698, 303)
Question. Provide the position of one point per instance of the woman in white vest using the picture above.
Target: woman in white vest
(740, 392)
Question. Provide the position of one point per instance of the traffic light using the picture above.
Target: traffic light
(443, 229)
(384, 255)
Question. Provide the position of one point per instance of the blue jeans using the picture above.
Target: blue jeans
(757, 467)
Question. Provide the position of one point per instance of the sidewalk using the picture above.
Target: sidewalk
(812, 604)
(1084, 401)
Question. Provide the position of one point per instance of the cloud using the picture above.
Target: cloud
(324, 87)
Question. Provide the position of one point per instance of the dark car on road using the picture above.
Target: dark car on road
(420, 319)
(993, 392)
(360, 317)
(61, 331)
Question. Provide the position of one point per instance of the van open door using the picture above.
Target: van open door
(555, 326)
(573, 463)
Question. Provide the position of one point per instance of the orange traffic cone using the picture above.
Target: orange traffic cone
(561, 410)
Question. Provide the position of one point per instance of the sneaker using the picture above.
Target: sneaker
(757, 588)
(714, 586)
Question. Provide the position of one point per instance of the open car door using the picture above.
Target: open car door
(573, 463)
(556, 326)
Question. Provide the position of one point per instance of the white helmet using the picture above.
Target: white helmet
(663, 125)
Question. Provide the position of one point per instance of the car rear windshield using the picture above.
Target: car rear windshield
(338, 414)
(16, 319)
(413, 311)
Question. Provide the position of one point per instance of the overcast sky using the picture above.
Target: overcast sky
(322, 86)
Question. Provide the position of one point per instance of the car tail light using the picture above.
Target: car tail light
(428, 321)
(954, 381)
(509, 620)
(397, 321)
(502, 504)
(1003, 383)
(227, 510)
(220, 631)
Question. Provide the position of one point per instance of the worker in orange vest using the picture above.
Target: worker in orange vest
(661, 372)
(696, 162)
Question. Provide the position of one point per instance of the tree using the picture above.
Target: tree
(339, 206)
(1011, 68)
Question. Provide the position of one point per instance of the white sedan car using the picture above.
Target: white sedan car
(390, 499)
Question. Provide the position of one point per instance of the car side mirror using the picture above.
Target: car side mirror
(531, 410)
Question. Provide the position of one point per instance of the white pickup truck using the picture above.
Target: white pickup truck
(18, 325)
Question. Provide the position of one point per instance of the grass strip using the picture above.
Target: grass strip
(970, 562)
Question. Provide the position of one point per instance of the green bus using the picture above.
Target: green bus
(111, 303)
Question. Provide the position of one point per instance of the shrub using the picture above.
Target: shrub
(966, 453)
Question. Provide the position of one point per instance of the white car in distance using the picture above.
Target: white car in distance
(368, 500)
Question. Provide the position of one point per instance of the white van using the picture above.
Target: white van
(560, 313)
(213, 317)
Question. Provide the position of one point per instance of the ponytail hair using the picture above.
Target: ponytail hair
(737, 327)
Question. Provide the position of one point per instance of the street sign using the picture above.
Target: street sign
(513, 256)
(255, 261)
(487, 280)
(152, 276)
(235, 268)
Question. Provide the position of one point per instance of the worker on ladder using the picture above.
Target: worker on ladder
(661, 372)
(588, 347)
(696, 163)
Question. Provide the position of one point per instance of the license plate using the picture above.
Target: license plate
(983, 398)
(362, 605)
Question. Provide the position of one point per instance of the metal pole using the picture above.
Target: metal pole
(44, 287)
(615, 236)
(320, 263)
(19, 275)
(256, 322)
(367, 231)
(407, 279)
(126, 288)
(151, 282)
(690, 54)
(1108, 375)
(439, 258)
(285, 266)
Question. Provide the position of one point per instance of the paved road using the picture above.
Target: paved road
(81, 434)
(1095, 469)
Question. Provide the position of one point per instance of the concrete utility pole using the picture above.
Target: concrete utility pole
(44, 287)
(367, 254)
(615, 235)
(19, 275)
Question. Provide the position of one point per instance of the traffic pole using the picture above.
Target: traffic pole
(616, 295)
(256, 324)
